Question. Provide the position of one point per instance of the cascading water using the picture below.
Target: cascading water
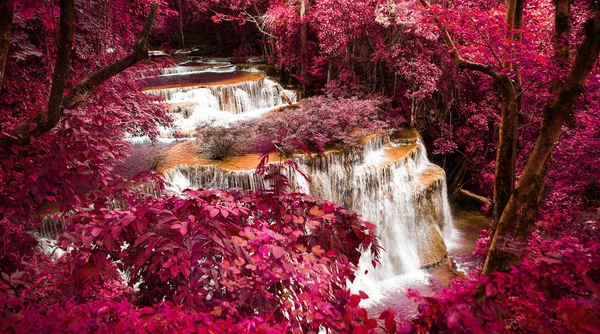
(213, 90)
(404, 195)
(390, 182)
(235, 98)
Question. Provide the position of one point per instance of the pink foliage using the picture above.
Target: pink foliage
(213, 257)
(320, 122)
(554, 289)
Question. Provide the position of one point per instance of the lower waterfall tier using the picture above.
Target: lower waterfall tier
(392, 185)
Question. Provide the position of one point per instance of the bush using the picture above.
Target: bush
(219, 142)
(320, 122)
(206, 261)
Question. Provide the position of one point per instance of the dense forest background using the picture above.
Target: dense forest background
(505, 94)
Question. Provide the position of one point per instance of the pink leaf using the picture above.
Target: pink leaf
(277, 252)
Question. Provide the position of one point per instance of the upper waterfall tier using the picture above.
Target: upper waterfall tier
(392, 184)
(207, 91)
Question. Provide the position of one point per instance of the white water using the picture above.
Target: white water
(236, 98)
(183, 70)
(219, 105)
(410, 210)
(410, 216)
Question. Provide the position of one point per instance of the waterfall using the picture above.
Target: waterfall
(193, 177)
(235, 98)
(392, 185)
(198, 68)
(390, 182)
(216, 91)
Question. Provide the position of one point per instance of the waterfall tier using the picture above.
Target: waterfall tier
(216, 91)
(393, 185)
(235, 98)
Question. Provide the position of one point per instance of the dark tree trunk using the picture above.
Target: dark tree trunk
(510, 99)
(181, 25)
(50, 117)
(532, 181)
(6, 17)
(506, 155)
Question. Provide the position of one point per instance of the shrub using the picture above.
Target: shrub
(217, 142)
(207, 260)
(320, 122)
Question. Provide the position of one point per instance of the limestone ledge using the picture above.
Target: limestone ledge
(186, 154)
(214, 80)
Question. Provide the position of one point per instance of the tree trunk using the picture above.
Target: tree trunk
(303, 33)
(562, 25)
(457, 178)
(6, 17)
(49, 119)
(527, 217)
(500, 255)
(506, 155)
(181, 25)
(510, 99)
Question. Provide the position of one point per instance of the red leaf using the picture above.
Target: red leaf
(490, 290)
(174, 271)
(87, 241)
(593, 286)
(213, 213)
(96, 231)
(168, 264)
(354, 300)
(142, 239)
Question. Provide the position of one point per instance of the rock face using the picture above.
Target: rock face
(389, 181)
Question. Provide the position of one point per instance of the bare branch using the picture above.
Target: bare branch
(479, 198)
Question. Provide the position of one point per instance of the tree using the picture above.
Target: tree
(46, 120)
(506, 73)
(6, 17)
(36, 129)
(528, 191)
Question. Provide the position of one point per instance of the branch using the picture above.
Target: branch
(258, 25)
(483, 68)
(82, 90)
(479, 198)
(47, 120)
(487, 42)
(461, 62)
